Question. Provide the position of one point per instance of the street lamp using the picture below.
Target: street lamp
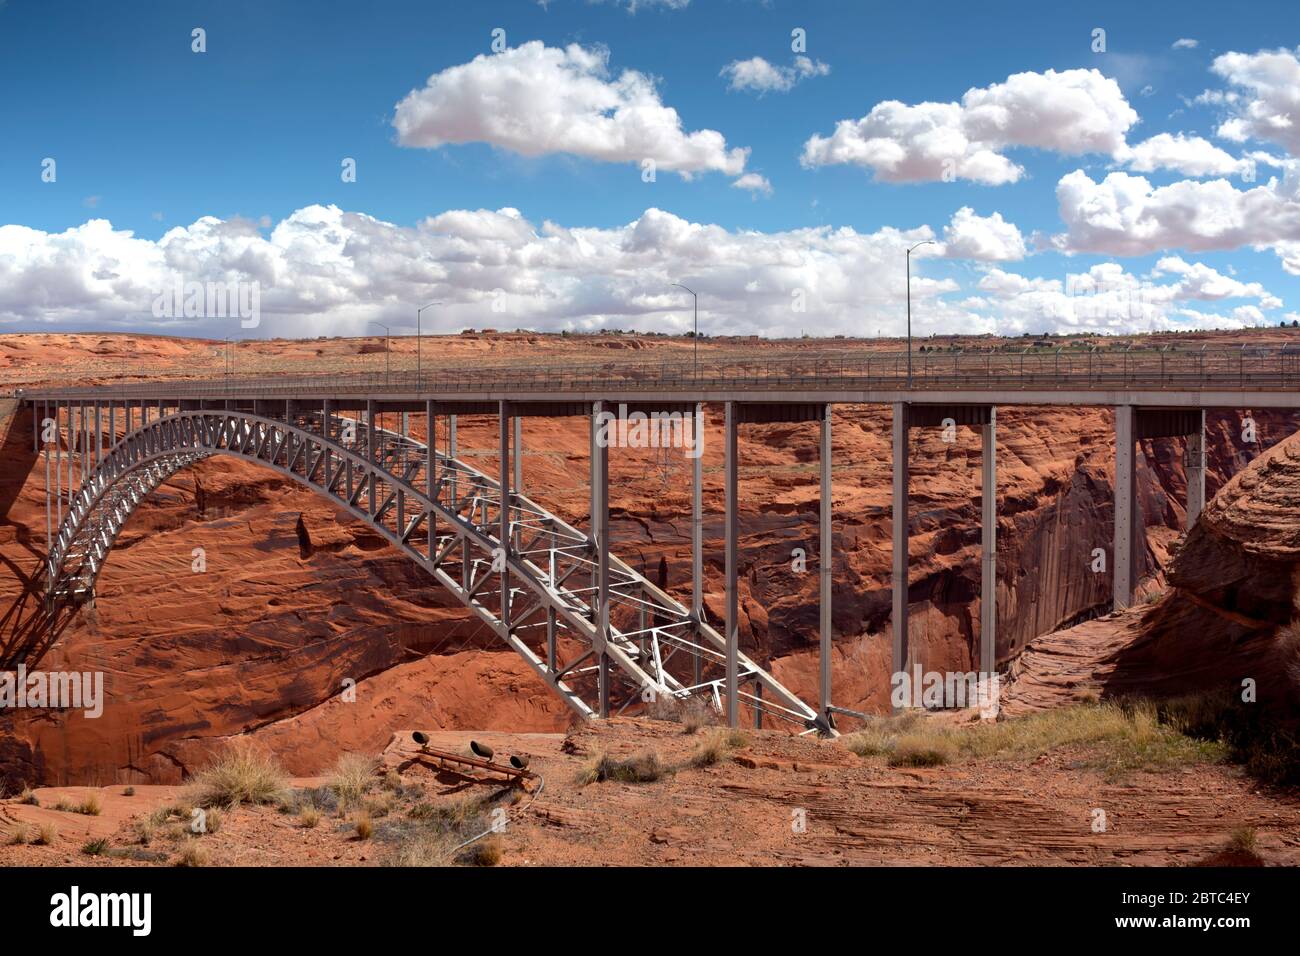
(417, 341)
(387, 352)
(697, 326)
(909, 306)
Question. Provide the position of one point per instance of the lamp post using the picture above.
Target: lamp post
(387, 352)
(697, 326)
(418, 375)
(909, 306)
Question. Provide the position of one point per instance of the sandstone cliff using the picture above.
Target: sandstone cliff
(297, 600)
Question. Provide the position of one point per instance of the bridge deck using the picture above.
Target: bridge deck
(1250, 377)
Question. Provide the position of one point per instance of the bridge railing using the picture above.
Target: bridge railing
(1240, 368)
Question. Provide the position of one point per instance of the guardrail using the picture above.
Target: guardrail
(1247, 369)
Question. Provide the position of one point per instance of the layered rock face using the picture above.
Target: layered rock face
(1227, 621)
(306, 631)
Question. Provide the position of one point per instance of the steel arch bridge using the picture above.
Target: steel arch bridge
(599, 633)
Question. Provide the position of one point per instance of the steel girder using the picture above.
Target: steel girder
(454, 533)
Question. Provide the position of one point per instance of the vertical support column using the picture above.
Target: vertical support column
(58, 464)
(39, 428)
(452, 451)
(431, 472)
(901, 650)
(99, 437)
(989, 546)
(504, 533)
(697, 537)
(731, 532)
(550, 611)
(1127, 518)
(518, 425)
(371, 456)
(1195, 469)
(825, 558)
(112, 424)
(325, 436)
(600, 532)
(63, 457)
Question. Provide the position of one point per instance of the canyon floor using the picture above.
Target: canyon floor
(769, 799)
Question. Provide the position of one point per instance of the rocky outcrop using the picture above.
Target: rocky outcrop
(1227, 621)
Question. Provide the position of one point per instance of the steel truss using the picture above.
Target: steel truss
(532, 578)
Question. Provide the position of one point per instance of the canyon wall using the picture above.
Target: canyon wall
(308, 632)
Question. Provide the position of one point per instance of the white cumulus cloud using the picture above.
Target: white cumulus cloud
(1125, 215)
(535, 100)
(986, 238)
(754, 182)
(760, 76)
(1267, 106)
(1107, 298)
(325, 271)
(1071, 112)
(1188, 155)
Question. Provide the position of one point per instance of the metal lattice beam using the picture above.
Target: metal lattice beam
(474, 543)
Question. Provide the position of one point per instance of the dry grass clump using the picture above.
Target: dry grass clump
(91, 805)
(28, 797)
(880, 735)
(426, 848)
(352, 778)
(239, 775)
(308, 817)
(484, 852)
(19, 835)
(144, 831)
(191, 854)
(715, 746)
(364, 827)
(95, 847)
(644, 767)
(1120, 736)
(1244, 840)
(437, 833)
(461, 813)
(46, 835)
(922, 750)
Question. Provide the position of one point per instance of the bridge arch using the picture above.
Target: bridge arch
(382, 478)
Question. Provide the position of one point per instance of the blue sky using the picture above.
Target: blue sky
(149, 135)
